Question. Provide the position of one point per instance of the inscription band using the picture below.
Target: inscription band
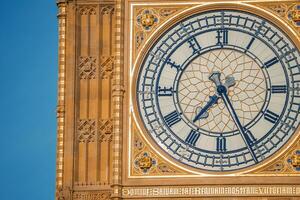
(192, 191)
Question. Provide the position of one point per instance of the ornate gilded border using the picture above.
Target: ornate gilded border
(271, 167)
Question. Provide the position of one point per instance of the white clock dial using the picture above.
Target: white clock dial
(218, 90)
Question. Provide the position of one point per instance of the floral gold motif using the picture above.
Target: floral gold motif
(295, 14)
(145, 162)
(294, 160)
(147, 19)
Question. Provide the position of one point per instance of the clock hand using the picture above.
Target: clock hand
(222, 91)
(203, 112)
(213, 99)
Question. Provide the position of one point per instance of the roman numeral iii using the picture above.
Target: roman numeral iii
(172, 118)
(192, 138)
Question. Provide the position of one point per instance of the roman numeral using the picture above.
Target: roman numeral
(192, 138)
(221, 144)
(279, 89)
(249, 137)
(172, 118)
(250, 43)
(194, 45)
(173, 64)
(271, 62)
(270, 116)
(165, 91)
(222, 37)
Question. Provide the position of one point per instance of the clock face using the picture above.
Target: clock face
(220, 91)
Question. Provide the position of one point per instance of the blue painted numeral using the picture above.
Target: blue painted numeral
(172, 118)
(279, 89)
(173, 64)
(194, 45)
(249, 137)
(222, 37)
(271, 62)
(192, 138)
(250, 43)
(271, 116)
(221, 144)
(165, 91)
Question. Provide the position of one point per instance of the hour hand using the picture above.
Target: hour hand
(203, 112)
(229, 80)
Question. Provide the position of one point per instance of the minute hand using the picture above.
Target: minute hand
(223, 93)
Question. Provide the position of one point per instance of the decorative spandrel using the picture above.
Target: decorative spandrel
(289, 11)
(147, 20)
(146, 162)
(286, 164)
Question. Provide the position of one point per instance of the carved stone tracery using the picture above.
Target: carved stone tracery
(86, 130)
(107, 10)
(106, 67)
(87, 67)
(87, 10)
(105, 130)
(63, 193)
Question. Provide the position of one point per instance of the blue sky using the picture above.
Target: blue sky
(28, 68)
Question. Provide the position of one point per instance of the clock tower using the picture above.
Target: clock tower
(178, 100)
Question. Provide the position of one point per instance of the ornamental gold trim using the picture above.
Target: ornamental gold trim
(271, 166)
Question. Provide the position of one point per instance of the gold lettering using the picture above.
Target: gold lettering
(207, 191)
(293, 190)
(155, 192)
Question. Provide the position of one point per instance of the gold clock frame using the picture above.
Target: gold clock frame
(144, 50)
(188, 175)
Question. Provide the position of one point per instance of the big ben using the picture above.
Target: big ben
(178, 100)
